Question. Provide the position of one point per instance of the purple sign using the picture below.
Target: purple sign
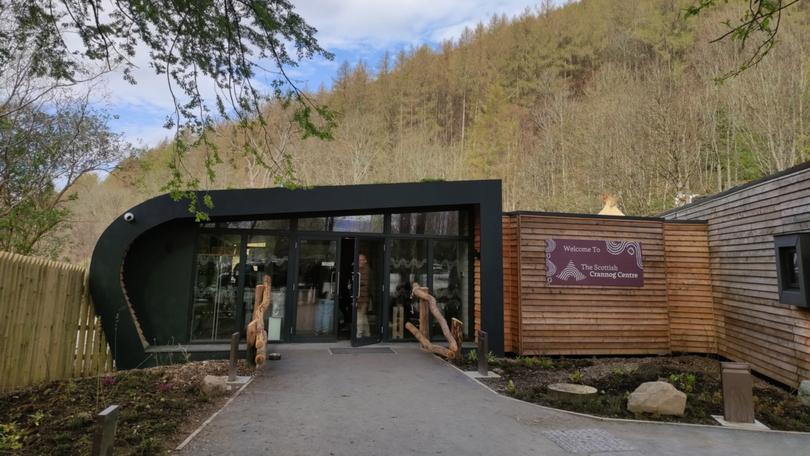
(587, 262)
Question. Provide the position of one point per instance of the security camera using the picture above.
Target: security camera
(129, 217)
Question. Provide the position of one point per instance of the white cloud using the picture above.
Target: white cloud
(355, 24)
(355, 29)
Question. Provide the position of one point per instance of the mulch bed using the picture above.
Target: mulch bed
(616, 378)
(159, 407)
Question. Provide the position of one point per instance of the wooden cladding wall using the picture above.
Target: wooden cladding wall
(692, 320)
(753, 326)
(591, 320)
(48, 327)
(671, 312)
(511, 319)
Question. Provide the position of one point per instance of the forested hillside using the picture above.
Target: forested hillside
(564, 105)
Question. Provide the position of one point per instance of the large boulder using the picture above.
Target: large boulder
(659, 398)
(804, 392)
(214, 385)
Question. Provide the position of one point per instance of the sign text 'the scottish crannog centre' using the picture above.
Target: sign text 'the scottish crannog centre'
(594, 263)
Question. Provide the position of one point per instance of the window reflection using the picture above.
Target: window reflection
(214, 311)
(790, 268)
(317, 287)
(267, 256)
(274, 224)
(408, 264)
(372, 223)
(444, 223)
(451, 283)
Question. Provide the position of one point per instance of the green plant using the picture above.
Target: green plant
(576, 377)
(184, 353)
(10, 437)
(491, 358)
(510, 388)
(36, 418)
(472, 356)
(684, 382)
(545, 363)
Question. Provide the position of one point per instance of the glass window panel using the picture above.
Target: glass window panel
(317, 287)
(408, 264)
(444, 223)
(267, 256)
(372, 223)
(369, 288)
(451, 283)
(215, 286)
(790, 268)
(275, 224)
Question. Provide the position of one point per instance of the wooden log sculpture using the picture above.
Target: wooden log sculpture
(426, 301)
(256, 332)
(457, 328)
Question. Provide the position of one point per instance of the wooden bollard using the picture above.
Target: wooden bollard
(738, 395)
(483, 350)
(234, 355)
(104, 437)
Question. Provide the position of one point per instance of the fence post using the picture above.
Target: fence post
(234, 354)
(104, 436)
(483, 351)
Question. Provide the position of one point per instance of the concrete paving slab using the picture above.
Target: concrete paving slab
(409, 402)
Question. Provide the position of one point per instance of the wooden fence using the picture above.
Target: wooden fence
(48, 328)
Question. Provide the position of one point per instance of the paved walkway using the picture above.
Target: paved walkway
(315, 403)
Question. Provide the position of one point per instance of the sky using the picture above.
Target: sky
(353, 30)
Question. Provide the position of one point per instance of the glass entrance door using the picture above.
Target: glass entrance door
(367, 291)
(316, 289)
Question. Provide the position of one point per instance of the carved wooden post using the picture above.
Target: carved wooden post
(423, 318)
(483, 350)
(104, 436)
(457, 329)
(234, 355)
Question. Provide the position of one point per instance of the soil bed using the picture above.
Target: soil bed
(159, 407)
(616, 378)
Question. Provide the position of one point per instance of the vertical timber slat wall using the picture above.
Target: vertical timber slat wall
(692, 319)
(511, 318)
(591, 320)
(753, 326)
(49, 328)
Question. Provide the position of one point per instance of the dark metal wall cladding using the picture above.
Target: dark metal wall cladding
(162, 217)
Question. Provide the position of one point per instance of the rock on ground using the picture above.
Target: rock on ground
(214, 384)
(659, 398)
(804, 392)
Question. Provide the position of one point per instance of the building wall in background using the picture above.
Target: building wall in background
(752, 325)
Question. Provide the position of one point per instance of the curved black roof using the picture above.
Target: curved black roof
(107, 284)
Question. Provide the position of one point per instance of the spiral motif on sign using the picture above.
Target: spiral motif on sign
(571, 271)
(616, 247)
(551, 268)
(631, 247)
